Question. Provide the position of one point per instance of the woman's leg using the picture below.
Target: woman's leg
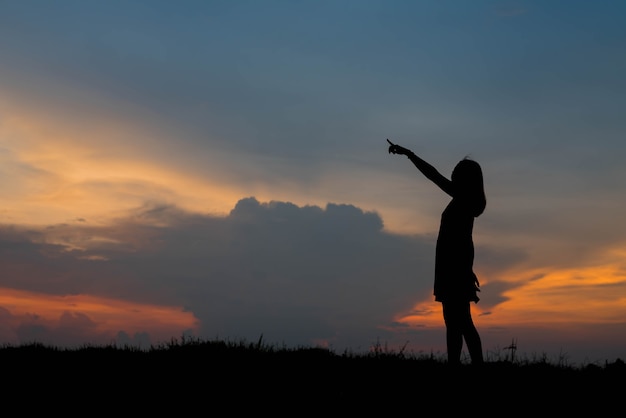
(472, 339)
(454, 331)
(459, 325)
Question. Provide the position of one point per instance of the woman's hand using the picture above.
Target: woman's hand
(397, 149)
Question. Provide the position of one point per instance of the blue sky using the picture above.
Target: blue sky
(222, 166)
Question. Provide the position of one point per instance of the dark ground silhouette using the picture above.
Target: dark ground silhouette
(218, 378)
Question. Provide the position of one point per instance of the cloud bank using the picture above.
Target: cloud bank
(296, 275)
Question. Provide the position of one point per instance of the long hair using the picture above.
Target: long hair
(467, 177)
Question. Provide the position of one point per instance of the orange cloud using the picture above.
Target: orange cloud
(93, 319)
(560, 299)
(584, 295)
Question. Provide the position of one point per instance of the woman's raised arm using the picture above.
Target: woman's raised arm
(425, 168)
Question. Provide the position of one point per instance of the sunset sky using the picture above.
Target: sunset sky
(219, 169)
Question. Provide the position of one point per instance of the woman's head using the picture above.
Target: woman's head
(467, 177)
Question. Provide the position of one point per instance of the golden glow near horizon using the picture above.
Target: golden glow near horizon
(103, 317)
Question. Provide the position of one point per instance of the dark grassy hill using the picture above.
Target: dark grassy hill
(235, 378)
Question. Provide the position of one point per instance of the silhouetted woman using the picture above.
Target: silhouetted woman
(455, 282)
